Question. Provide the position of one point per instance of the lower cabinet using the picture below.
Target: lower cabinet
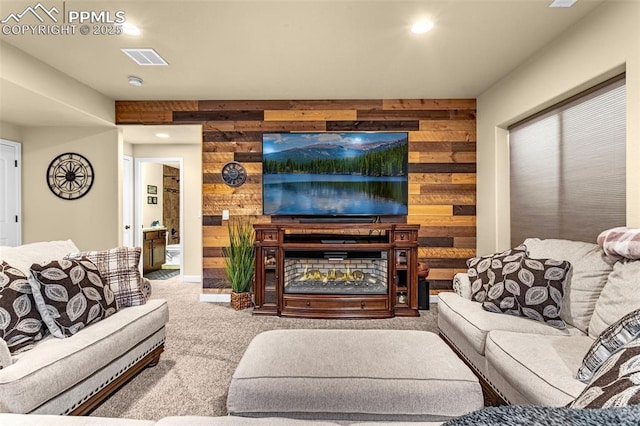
(340, 306)
(154, 249)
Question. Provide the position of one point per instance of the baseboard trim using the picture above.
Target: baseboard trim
(192, 278)
(433, 298)
(216, 298)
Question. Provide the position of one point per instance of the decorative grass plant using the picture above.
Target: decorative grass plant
(239, 260)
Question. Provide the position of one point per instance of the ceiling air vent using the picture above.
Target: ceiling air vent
(562, 3)
(145, 57)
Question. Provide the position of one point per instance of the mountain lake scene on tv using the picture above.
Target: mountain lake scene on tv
(335, 173)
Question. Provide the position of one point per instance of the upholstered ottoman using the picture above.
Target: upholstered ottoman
(360, 375)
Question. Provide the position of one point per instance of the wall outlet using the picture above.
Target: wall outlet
(225, 214)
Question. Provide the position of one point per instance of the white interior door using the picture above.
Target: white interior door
(10, 189)
(127, 201)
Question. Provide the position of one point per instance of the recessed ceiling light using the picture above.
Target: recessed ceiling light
(145, 56)
(135, 81)
(421, 27)
(162, 135)
(130, 29)
(562, 3)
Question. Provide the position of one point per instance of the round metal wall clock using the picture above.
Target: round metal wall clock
(234, 174)
(70, 176)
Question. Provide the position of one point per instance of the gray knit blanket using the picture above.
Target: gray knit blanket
(516, 415)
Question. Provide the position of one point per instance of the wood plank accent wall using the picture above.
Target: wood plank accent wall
(442, 163)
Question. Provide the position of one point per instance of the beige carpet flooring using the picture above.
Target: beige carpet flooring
(204, 343)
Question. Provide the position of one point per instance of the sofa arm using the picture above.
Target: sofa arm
(5, 355)
(145, 287)
(462, 285)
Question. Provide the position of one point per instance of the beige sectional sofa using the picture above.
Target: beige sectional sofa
(73, 374)
(529, 362)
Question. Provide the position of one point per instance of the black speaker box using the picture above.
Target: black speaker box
(423, 294)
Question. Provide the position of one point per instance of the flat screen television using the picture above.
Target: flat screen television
(335, 174)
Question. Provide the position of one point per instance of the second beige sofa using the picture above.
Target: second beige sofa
(529, 362)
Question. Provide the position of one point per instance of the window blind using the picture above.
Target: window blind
(567, 168)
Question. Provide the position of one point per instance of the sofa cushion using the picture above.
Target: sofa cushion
(55, 365)
(475, 323)
(119, 268)
(485, 271)
(617, 382)
(543, 368)
(70, 295)
(610, 341)
(5, 355)
(530, 288)
(20, 322)
(589, 271)
(619, 296)
(22, 257)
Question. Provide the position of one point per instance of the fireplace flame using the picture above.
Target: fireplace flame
(333, 275)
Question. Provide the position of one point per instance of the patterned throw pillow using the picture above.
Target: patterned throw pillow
(611, 340)
(70, 295)
(617, 382)
(119, 268)
(485, 271)
(20, 323)
(532, 288)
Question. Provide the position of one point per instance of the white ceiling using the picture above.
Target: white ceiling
(305, 49)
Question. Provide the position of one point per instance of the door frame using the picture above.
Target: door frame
(128, 186)
(139, 195)
(18, 158)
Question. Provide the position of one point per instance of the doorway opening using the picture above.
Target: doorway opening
(159, 223)
(166, 180)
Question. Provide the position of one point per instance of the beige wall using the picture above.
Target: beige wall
(192, 199)
(151, 174)
(91, 221)
(127, 149)
(10, 132)
(46, 88)
(603, 44)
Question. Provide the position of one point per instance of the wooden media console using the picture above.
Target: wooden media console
(337, 270)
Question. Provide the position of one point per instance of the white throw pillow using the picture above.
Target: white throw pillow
(588, 275)
(22, 257)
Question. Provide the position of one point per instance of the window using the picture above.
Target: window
(567, 167)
